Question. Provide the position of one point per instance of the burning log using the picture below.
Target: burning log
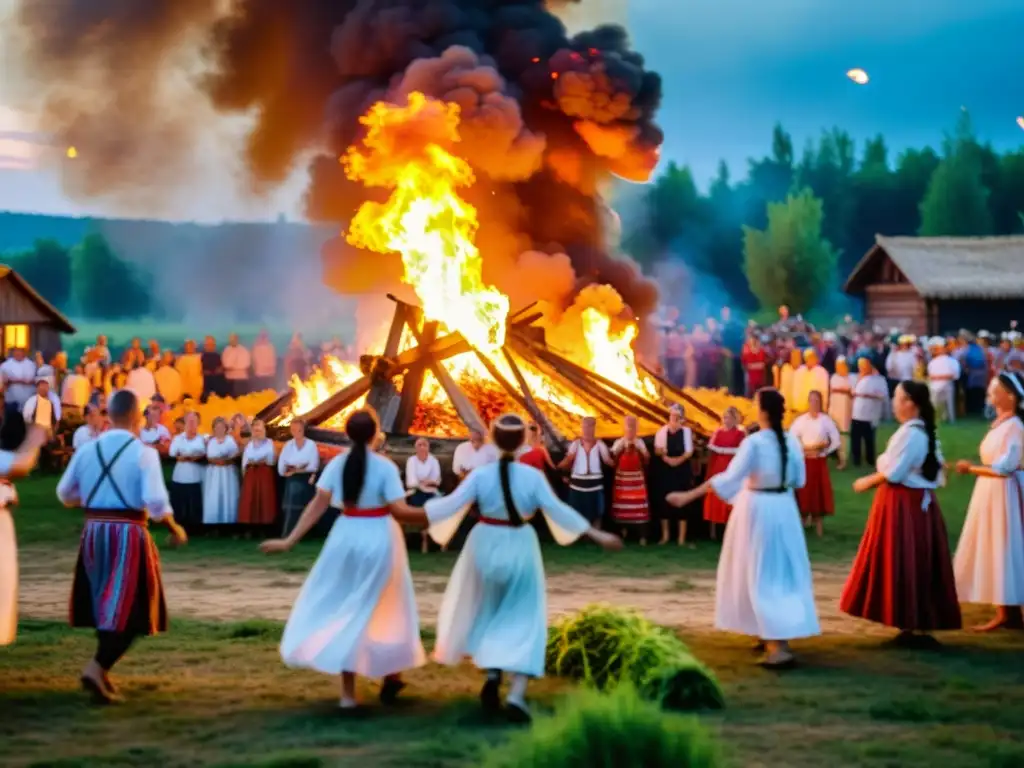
(413, 383)
(522, 397)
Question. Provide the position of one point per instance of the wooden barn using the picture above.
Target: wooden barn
(28, 320)
(933, 285)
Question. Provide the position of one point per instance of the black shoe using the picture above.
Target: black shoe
(517, 713)
(490, 694)
(389, 690)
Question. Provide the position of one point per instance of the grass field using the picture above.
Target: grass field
(214, 692)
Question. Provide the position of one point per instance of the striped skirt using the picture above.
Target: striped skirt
(117, 586)
(629, 498)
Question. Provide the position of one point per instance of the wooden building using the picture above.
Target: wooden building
(28, 320)
(933, 285)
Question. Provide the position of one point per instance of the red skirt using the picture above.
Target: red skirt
(629, 494)
(815, 498)
(258, 502)
(716, 510)
(903, 574)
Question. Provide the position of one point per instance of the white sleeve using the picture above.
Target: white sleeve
(411, 481)
(314, 464)
(154, 489)
(330, 478)
(618, 445)
(435, 470)
(281, 463)
(796, 429)
(834, 438)
(247, 456)
(902, 454)
(26, 409)
(68, 490)
(688, 440)
(174, 450)
(445, 513)
(1009, 460)
(661, 440)
(729, 482)
(458, 465)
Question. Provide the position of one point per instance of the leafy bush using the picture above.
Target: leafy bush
(602, 647)
(617, 730)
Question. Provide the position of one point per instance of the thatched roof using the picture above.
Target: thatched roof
(948, 267)
(55, 316)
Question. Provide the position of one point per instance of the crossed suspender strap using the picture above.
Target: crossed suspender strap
(105, 474)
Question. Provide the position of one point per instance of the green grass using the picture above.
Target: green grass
(217, 694)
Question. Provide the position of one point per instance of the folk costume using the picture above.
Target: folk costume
(671, 479)
(357, 609)
(155, 436)
(8, 558)
(819, 437)
(629, 493)
(118, 483)
(902, 576)
(257, 504)
(840, 406)
(220, 485)
(764, 586)
(723, 445)
(495, 606)
(189, 454)
(298, 465)
(989, 562)
(586, 479)
(943, 374)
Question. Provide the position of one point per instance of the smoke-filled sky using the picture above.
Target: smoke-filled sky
(730, 69)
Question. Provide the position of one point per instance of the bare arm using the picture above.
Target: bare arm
(407, 515)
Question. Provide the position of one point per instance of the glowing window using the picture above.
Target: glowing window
(15, 336)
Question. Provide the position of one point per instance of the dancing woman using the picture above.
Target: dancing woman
(989, 562)
(356, 613)
(495, 607)
(903, 574)
(764, 585)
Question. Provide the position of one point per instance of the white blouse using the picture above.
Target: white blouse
(1003, 447)
(305, 459)
(259, 452)
(588, 463)
(220, 450)
(188, 472)
(812, 431)
(419, 472)
(622, 443)
(154, 435)
(661, 439)
(757, 465)
(904, 456)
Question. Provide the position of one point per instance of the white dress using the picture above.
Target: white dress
(495, 606)
(764, 586)
(357, 610)
(220, 484)
(989, 561)
(8, 567)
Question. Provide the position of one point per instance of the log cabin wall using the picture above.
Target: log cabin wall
(896, 306)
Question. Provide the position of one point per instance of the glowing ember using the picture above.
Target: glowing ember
(425, 220)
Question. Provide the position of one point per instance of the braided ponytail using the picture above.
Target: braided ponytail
(773, 404)
(921, 398)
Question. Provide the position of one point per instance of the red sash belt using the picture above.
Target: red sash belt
(500, 523)
(133, 516)
(378, 512)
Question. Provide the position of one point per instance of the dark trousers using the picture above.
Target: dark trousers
(862, 435)
(975, 401)
(111, 647)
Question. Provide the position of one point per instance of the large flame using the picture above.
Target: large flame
(424, 219)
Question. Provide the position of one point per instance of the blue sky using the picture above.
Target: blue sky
(731, 69)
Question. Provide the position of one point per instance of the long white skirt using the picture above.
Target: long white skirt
(989, 561)
(357, 610)
(765, 588)
(220, 495)
(8, 579)
(495, 606)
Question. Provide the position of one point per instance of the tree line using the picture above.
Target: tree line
(794, 229)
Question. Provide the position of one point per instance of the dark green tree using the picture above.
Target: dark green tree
(673, 216)
(827, 170)
(106, 286)
(770, 179)
(789, 262)
(47, 268)
(957, 200)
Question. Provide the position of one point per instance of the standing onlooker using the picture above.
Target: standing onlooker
(472, 454)
(870, 403)
(189, 366)
(188, 449)
(89, 431)
(45, 371)
(722, 446)
(297, 464)
(587, 458)
(213, 369)
(296, 359)
(153, 433)
(673, 447)
(943, 373)
(101, 351)
(43, 408)
(134, 355)
(74, 393)
(220, 486)
(819, 436)
(168, 380)
(755, 364)
(153, 355)
(258, 503)
(264, 363)
(975, 373)
(630, 505)
(840, 404)
(422, 481)
(19, 379)
(236, 361)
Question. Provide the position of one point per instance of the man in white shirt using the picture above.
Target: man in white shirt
(19, 378)
(43, 408)
(236, 361)
(811, 377)
(89, 431)
(870, 401)
(140, 381)
(943, 373)
(901, 361)
(74, 393)
(472, 454)
(168, 380)
(264, 363)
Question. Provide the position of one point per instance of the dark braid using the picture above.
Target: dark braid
(506, 490)
(361, 429)
(773, 404)
(921, 397)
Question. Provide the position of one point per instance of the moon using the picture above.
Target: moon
(859, 76)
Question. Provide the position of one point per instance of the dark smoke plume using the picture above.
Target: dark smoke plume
(546, 117)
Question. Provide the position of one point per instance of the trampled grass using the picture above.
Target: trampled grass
(217, 694)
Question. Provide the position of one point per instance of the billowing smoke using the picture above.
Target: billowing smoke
(546, 117)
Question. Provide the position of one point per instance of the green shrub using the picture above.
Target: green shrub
(616, 730)
(602, 647)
